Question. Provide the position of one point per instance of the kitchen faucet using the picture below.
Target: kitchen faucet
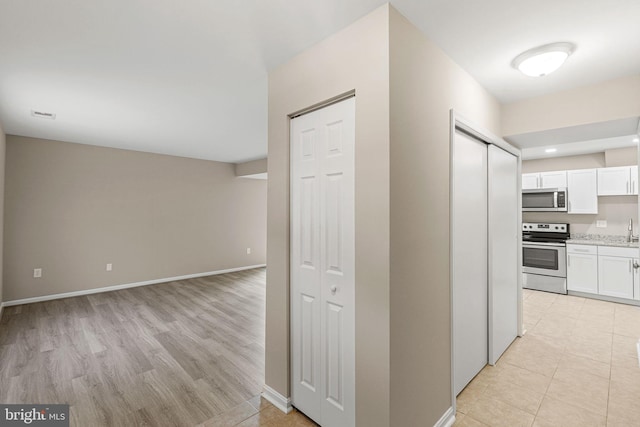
(630, 236)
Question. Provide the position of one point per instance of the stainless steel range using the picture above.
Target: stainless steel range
(544, 257)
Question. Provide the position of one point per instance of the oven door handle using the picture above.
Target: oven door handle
(533, 245)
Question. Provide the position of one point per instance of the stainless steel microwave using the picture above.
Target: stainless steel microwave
(544, 200)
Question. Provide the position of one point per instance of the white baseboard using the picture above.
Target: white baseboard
(604, 298)
(278, 400)
(447, 419)
(124, 286)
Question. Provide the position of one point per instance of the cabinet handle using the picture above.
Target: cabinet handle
(636, 265)
(630, 265)
(627, 187)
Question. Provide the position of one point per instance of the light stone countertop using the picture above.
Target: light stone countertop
(600, 240)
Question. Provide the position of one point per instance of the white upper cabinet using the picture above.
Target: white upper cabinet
(582, 188)
(555, 179)
(634, 180)
(617, 181)
(530, 181)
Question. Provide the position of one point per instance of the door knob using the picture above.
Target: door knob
(333, 289)
(636, 265)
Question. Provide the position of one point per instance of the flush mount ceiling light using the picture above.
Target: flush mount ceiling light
(543, 60)
(636, 139)
(550, 150)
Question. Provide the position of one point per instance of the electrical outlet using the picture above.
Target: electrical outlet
(109, 267)
(601, 223)
(248, 251)
(37, 272)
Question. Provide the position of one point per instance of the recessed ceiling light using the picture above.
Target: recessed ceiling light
(550, 150)
(543, 60)
(43, 114)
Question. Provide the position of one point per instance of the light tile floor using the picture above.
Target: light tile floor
(577, 365)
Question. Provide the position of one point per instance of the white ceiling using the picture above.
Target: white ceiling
(575, 140)
(190, 78)
(598, 145)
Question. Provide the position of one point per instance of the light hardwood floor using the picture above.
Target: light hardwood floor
(180, 353)
(577, 365)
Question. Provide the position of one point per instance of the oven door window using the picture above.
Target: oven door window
(538, 200)
(546, 259)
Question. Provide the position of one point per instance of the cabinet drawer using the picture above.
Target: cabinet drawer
(582, 249)
(616, 251)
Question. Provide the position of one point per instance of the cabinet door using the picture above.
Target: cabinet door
(615, 276)
(614, 181)
(636, 279)
(530, 181)
(556, 179)
(582, 273)
(582, 189)
(634, 180)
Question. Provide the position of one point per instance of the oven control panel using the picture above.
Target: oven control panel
(549, 228)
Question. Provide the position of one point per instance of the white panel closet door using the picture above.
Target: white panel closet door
(503, 251)
(470, 259)
(323, 264)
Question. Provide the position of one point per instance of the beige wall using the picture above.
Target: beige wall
(424, 85)
(2, 169)
(585, 161)
(355, 58)
(611, 100)
(71, 209)
(616, 210)
(609, 158)
(251, 168)
(621, 157)
(404, 87)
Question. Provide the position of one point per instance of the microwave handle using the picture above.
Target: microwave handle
(555, 199)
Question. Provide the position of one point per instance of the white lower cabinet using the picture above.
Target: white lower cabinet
(615, 276)
(636, 279)
(582, 268)
(604, 270)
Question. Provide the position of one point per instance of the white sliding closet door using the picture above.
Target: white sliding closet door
(323, 264)
(470, 257)
(484, 261)
(503, 251)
